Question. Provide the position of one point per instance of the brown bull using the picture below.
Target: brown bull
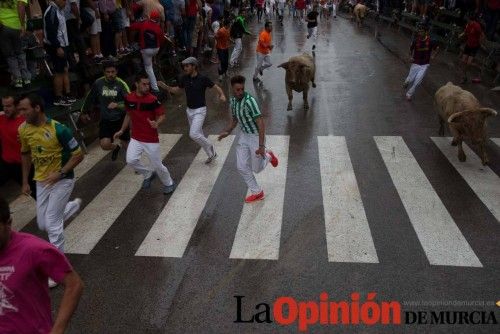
(465, 117)
(299, 71)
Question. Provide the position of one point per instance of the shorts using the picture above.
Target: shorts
(95, 28)
(107, 129)
(117, 21)
(59, 64)
(470, 51)
(125, 18)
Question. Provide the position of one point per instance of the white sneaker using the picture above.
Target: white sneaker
(52, 283)
(72, 208)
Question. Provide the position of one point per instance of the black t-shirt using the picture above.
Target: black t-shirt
(195, 89)
(313, 15)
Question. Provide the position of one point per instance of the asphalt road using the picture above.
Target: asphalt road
(426, 234)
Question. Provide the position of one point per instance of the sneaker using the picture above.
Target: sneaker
(146, 184)
(52, 283)
(169, 189)
(70, 99)
(18, 83)
(255, 197)
(27, 82)
(314, 47)
(114, 155)
(61, 101)
(72, 208)
(273, 160)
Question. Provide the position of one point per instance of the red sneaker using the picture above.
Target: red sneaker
(255, 197)
(274, 159)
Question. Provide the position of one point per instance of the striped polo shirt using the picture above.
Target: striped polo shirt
(245, 111)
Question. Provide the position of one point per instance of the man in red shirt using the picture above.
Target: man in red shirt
(473, 34)
(144, 115)
(26, 263)
(10, 145)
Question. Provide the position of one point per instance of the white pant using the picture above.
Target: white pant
(263, 62)
(52, 209)
(248, 162)
(312, 32)
(415, 77)
(196, 117)
(152, 150)
(235, 55)
(147, 58)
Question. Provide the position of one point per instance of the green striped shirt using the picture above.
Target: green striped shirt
(245, 111)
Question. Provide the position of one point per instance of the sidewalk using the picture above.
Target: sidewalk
(443, 69)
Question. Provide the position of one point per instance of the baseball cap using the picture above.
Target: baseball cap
(190, 60)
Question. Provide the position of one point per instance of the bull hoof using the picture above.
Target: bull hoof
(462, 157)
(289, 107)
(314, 85)
(485, 162)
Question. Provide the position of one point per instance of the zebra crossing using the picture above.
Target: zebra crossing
(347, 230)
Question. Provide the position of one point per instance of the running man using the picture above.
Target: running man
(238, 29)
(195, 85)
(264, 48)
(144, 114)
(51, 147)
(312, 25)
(251, 154)
(109, 93)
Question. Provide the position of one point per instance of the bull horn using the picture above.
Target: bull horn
(457, 115)
(284, 65)
(488, 112)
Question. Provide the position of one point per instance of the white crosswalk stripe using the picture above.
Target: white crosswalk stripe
(348, 236)
(172, 231)
(91, 224)
(259, 230)
(24, 208)
(438, 234)
(258, 235)
(482, 180)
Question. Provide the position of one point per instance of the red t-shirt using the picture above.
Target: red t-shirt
(25, 266)
(11, 147)
(473, 34)
(150, 34)
(192, 8)
(140, 109)
(300, 4)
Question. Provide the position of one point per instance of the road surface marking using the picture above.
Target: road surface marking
(440, 237)
(91, 224)
(259, 230)
(348, 235)
(172, 231)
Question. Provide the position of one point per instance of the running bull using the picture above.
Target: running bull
(299, 71)
(465, 117)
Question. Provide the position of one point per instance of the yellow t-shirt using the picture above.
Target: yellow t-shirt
(8, 13)
(51, 146)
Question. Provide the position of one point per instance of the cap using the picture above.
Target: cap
(154, 14)
(190, 60)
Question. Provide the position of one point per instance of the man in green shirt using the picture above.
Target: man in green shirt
(12, 27)
(251, 154)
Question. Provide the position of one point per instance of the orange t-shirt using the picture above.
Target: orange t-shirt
(222, 38)
(263, 46)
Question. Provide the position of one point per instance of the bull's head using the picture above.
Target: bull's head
(471, 124)
(296, 73)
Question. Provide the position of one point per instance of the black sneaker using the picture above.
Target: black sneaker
(61, 101)
(114, 155)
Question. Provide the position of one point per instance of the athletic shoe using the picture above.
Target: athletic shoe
(27, 82)
(273, 160)
(52, 283)
(114, 155)
(72, 208)
(61, 101)
(169, 189)
(314, 47)
(18, 83)
(70, 99)
(255, 197)
(146, 184)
